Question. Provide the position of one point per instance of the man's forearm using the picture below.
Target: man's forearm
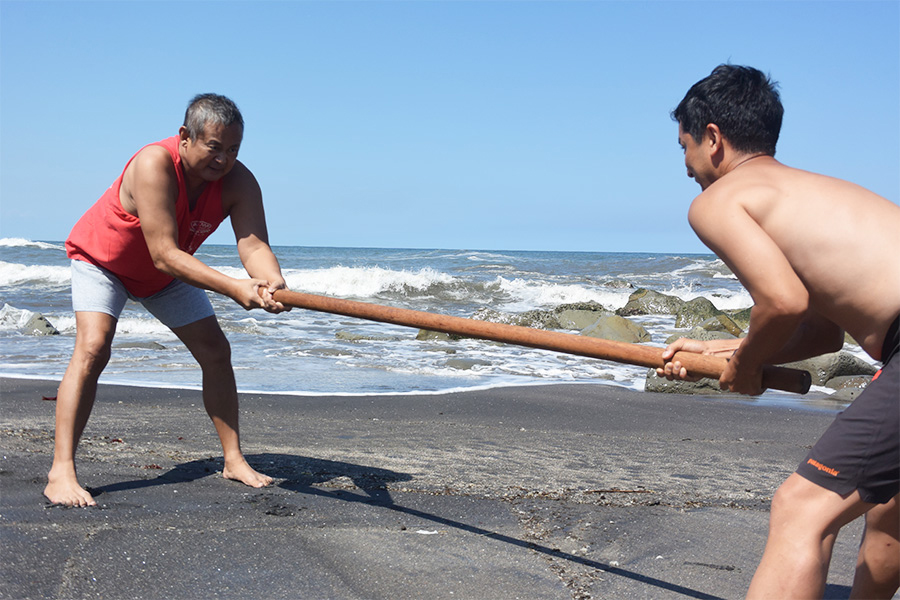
(814, 335)
(187, 268)
(769, 333)
(261, 263)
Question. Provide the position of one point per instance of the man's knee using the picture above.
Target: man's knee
(885, 518)
(802, 504)
(213, 350)
(93, 351)
(220, 350)
(791, 495)
(206, 342)
(878, 564)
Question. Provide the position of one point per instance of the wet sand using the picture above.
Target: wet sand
(562, 491)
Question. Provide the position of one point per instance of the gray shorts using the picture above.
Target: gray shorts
(94, 289)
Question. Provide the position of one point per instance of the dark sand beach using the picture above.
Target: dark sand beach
(563, 491)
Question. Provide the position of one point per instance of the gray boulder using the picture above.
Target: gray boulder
(139, 346)
(694, 312)
(26, 321)
(722, 323)
(618, 284)
(741, 317)
(566, 316)
(350, 336)
(706, 385)
(702, 334)
(536, 319)
(589, 306)
(466, 364)
(836, 364)
(616, 328)
(493, 316)
(649, 302)
(428, 335)
(579, 319)
(38, 325)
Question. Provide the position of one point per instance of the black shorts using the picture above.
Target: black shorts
(861, 449)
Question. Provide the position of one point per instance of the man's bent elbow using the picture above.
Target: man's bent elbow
(789, 306)
(163, 266)
(165, 262)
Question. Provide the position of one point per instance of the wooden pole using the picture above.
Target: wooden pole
(780, 378)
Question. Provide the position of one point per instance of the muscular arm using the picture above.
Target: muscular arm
(781, 301)
(243, 203)
(814, 336)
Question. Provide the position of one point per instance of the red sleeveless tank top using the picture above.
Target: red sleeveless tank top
(109, 237)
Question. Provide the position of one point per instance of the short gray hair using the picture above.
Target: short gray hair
(210, 108)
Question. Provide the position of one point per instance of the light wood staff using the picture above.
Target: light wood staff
(779, 378)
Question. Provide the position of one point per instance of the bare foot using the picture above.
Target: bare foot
(64, 489)
(245, 474)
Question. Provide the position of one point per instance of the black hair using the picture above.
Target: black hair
(210, 108)
(742, 101)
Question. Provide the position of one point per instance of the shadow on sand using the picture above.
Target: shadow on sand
(301, 474)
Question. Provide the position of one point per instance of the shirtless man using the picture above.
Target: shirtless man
(138, 242)
(819, 256)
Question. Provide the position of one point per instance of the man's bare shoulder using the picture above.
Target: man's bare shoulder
(760, 186)
(735, 190)
(153, 158)
(150, 173)
(240, 181)
(152, 164)
(240, 188)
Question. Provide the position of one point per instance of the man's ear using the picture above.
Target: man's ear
(714, 144)
(713, 137)
(183, 134)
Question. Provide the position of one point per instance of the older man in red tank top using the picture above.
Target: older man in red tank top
(138, 242)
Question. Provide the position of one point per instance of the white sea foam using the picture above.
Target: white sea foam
(12, 318)
(481, 256)
(525, 295)
(12, 274)
(721, 298)
(23, 243)
(65, 324)
(148, 326)
(363, 282)
(713, 268)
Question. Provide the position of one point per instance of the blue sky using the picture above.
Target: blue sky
(449, 124)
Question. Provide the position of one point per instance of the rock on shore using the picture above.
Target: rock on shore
(26, 321)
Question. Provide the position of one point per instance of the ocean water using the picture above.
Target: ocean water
(305, 352)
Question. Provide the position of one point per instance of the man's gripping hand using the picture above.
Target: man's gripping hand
(271, 305)
(257, 293)
(674, 370)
